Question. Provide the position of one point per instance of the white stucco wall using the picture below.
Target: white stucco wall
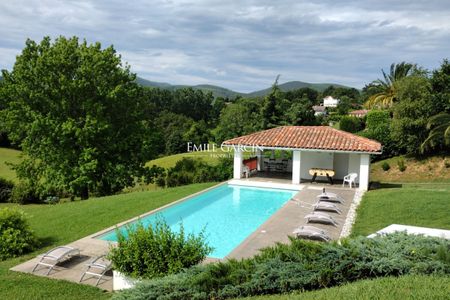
(364, 171)
(340, 165)
(297, 163)
(310, 160)
(353, 164)
(237, 165)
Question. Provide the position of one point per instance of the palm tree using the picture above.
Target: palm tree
(440, 131)
(387, 97)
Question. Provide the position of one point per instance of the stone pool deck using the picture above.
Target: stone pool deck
(292, 215)
(275, 229)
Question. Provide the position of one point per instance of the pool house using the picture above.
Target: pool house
(305, 154)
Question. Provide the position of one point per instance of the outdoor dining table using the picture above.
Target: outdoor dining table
(329, 173)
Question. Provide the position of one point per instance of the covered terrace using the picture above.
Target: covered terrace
(308, 150)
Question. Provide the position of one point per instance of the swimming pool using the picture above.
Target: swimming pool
(228, 213)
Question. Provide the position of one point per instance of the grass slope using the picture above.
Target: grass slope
(430, 169)
(208, 157)
(62, 223)
(417, 205)
(406, 287)
(8, 156)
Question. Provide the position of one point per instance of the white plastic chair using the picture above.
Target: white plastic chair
(350, 179)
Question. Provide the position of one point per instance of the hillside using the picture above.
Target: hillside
(294, 85)
(432, 169)
(218, 91)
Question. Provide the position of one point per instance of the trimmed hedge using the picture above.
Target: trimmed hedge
(302, 265)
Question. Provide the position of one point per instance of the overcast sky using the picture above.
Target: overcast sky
(239, 44)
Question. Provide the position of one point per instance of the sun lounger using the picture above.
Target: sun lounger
(311, 233)
(327, 206)
(56, 255)
(330, 197)
(319, 217)
(97, 268)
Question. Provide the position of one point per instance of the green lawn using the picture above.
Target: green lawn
(8, 156)
(63, 223)
(407, 287)
(414, 204)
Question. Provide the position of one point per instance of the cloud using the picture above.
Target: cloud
(242, 45)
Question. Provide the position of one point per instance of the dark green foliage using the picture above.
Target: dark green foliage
(156, 251)
(401, 165)
(385, 166)
(302, 265)
(78, 115)
(344, 105)
(339, 92)
(303, 93)
(16, 237)
(411, 112)
(238, 119)
(301, 113)
(350, 124)
(173, 128)
(6, 187)
(152, 174)
(192, 103)
(378, 127)
(376, 118)
(440, 83)
(270, 114)
(24, 192)
(188, 171)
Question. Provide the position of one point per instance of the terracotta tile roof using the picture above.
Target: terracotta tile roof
(308, 137)
(359, 112)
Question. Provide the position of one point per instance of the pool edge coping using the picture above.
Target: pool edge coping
(104, 231)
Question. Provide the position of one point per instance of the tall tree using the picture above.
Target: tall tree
(411, 112)
(388, 96)
(78, 116)
(269, 111)
(439, 126)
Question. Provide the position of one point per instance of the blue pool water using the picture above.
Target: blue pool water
(227, 213)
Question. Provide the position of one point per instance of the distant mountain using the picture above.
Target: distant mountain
(218, 91)
(294, 85)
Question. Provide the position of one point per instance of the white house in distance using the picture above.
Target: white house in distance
(329, 101)
(312, 147)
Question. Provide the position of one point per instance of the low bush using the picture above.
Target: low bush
(302, 265)
(401, 165)
(157, 250)
(16, 237)
(6, 187)
(350, 124)
(188, 171)
(385, 166)
(24, 193)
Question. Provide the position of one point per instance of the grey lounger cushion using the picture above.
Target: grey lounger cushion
(327, 206)
(311, 233)
(319, 217)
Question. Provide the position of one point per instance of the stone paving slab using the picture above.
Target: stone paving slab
(291, 216)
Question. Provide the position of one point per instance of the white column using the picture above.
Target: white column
(259, 155)
(364, 169)
(237, 167)
(296, 160)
